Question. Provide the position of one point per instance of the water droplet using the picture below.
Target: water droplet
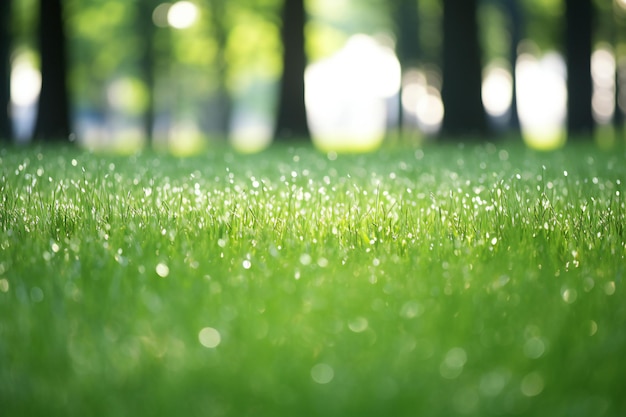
(358, 325)
(246, 264)
(209, 337)
(591, 327)
(492, 383)
(569, 295)
(162, 270)
(453, 363)
(534, 348)
(322, 373)
(36, 294)
(305, 259)
(532, 384)
(411, 309)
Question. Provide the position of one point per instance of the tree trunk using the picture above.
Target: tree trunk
(53, 120)
(516, 20)
(407, 45)
(147, 63)
(220, 31)
(291, 121)
(6, 131)
(462, 72)
(578, 43)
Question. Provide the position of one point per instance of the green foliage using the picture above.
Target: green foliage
(544, 24)
(438, 281)
(495, 35)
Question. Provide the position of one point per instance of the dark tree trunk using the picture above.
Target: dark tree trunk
(6, 131)
(462, 71)
(620, 75)
(578, 40)
(53, 120)
(291, 121)
(220, 32)
(147, 63)
(517, 24)
(407, 45)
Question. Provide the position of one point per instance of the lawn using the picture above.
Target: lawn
(442, 281)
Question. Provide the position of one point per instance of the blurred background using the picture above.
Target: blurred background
(346, 74)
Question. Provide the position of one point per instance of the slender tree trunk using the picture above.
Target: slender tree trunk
(291, 120)
(6, 131)
(223, 96)
(147, 64)
(517, 29)
(407, 45)
(618, 37)
(462, 72)
(578, 44)
(53, 120)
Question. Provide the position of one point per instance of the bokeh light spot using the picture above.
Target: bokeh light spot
(534, 348)
(162, 270)
(25, 82)
(209, 337)
(453, 363)
(497, 90)
(532, 384)
(358, 325)
(542, 100)
(182, 14)
(322, 373)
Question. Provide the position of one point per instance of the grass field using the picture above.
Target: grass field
(442, 281)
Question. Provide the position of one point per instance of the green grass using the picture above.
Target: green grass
(442, 281)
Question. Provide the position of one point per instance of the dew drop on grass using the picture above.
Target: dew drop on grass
(358, 324)
(36, 295)
(209, 337)
(411, 309)
(591, 327)
(322, 373)
(609, 288)
(453, 363)
(492, 383)
(532, 384)
(246, 264)
(305, 259)
(569, 295)
(162, 270)
(534, 348)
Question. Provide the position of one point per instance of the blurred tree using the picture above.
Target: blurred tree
(407, 35)
(53, 119)
(291, 120)
(147, 29)
(6, 131)
(618, 38)
(220, 33)
(578, 49)
(516, 21)
(462, 71)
